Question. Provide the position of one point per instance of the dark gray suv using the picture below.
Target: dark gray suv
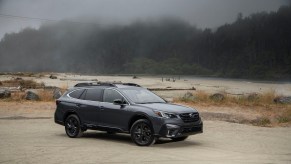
(125, 108)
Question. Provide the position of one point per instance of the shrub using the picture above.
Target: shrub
(283, 119)
(262, 121)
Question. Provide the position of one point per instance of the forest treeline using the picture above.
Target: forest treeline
(256, 46)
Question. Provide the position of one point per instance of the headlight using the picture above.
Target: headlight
(165, 114)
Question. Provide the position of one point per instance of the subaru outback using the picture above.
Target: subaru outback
(125, 108)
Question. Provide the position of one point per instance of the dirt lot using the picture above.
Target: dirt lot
(29, 135)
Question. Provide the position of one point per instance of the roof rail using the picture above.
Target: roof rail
(131, 84)
(112, 84)
(93, 84)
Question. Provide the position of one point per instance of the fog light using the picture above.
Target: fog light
(172, 130)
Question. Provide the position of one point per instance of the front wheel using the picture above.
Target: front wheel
(142, 133)
(179, 138)
(73, 127)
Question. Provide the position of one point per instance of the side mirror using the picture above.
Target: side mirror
(118, 102)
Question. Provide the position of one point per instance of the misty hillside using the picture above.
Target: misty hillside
(258, 46)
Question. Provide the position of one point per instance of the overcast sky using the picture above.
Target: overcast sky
(202, 13)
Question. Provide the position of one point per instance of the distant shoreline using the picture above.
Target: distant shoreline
(202, 83)
(187, 77)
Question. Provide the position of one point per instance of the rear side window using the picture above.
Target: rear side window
(94, 94)
(111, 95)
(77, 93)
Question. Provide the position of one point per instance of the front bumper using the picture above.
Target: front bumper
(174, 131)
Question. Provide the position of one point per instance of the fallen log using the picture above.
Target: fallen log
(172, 89)
(73, 79)
(13, 89)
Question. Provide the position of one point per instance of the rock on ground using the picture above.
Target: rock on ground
(217, 97)
(188, 96)
(53, 77)
(283, 100)
(31, 96)
(4, 93)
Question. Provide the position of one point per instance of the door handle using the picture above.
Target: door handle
(101, 107)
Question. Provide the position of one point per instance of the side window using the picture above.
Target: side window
(94, 94)
(77, 93)
(111, 95)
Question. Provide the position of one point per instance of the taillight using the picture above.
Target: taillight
(57, 102)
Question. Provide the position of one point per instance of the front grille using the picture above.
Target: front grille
(189, 117)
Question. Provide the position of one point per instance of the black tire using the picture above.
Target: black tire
(179, 138)
(142, 133)
(73, 127)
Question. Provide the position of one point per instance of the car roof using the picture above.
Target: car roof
(105, 85)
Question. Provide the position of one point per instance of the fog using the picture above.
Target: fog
(225, 38)
(202, 13)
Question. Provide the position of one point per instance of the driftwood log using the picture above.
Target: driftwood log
(172, 89)
(73, 79)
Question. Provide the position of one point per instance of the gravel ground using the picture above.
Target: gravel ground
(40, 140)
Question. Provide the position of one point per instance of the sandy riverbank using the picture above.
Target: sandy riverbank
(209, 85)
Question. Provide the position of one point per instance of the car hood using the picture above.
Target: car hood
(165, 107)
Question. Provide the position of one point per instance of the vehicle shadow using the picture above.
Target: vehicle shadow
(125, 138)
(108, 137)
(168, 143)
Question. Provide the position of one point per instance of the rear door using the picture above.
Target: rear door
(89, 107)
(112, 115)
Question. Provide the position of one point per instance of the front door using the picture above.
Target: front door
(113, 115)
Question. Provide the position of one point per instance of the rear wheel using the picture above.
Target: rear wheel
(73, 127)
(179, 138)
(142, 133)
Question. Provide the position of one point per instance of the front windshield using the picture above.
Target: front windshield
(141, 96)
